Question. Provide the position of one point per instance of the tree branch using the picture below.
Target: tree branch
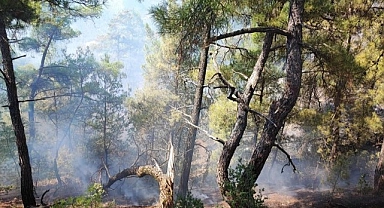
(19, 57)
(206, 133)
(249, 30)
(261, 115)
(288, 157)
(233, 94)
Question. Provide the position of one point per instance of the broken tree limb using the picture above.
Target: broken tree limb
(261, 115)
(42, 198)
(290, 162)
(206, 132)
(165, 181)
(170, 166)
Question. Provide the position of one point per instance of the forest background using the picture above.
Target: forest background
(105, 89)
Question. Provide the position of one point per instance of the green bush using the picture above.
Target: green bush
(188, 202)
(92, 198)
(237, 198)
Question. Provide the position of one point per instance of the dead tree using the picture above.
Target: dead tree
(165, 180)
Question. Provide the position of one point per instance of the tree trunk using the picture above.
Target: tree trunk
(34, 88)
(378, 182)
(241, 119)
(278, 110)
(188, 154)
(14, 110)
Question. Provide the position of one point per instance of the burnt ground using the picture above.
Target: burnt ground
(286, 198)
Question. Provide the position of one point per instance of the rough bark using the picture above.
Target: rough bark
(378, 182)
(278, 110)
(190, 144)
(165, 182)
(230, 145)
(18, 127)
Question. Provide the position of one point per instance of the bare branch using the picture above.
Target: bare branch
(106, 168)
(233, 94)
(44, 98)
(19, 57)
(288, 157)
(261, 115)
(206, 133)
(199, 128)
(232, 47)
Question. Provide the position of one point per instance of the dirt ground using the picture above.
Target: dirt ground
(291, 198)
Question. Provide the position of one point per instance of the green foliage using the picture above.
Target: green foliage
(188, 202)
(91, 199)
(339, 171)
(15, 11)
(222, 115)
(237, 198)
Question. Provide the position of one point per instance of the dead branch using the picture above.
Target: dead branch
(106, 168)
(18, 57)
(237, 94)
(165, 182)
(206, 133)
(43, 98)
(261, 115)
(199, 128)
(233, 93)
(290, 162)
(42, 198)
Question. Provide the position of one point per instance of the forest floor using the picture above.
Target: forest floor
(286, 198)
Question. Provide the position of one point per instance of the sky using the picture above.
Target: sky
(91, 29)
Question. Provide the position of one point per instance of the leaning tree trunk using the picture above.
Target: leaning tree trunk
(378, 182)
(243, 108)
(14, 110)
(278, 110)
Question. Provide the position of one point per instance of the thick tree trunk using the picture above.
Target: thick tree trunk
(190, 144)
(278, 110)
(378, 182)
(14, 110)
(241, 119)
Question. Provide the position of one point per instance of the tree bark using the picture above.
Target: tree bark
(165, 182)
(378, 181)
(14, 110)
(278, 110)
(188, 154)
(231, 144)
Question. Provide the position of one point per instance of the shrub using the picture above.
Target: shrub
(188, 202)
